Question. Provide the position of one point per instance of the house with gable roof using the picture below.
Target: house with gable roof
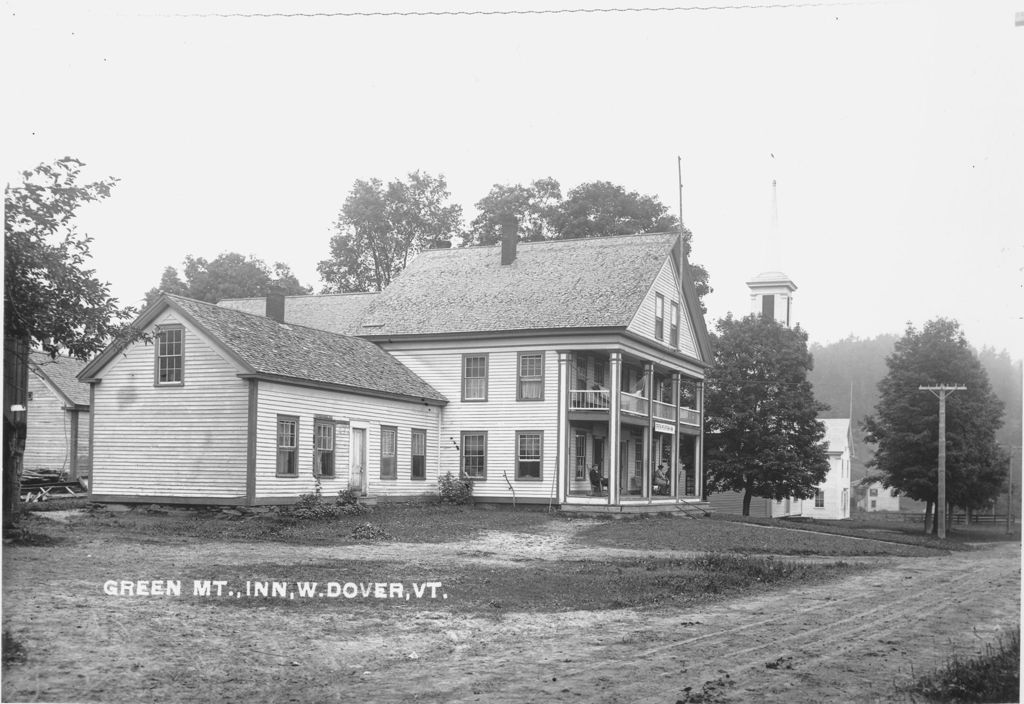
(565, 372)
(226, 407)
(57, 417)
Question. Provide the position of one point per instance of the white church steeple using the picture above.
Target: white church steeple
(771, 291)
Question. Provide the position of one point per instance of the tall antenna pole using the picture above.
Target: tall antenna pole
(682, 244)
(941, 392)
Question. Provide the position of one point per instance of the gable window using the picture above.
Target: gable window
(528, 453)
(287, 446)
(474, 377)
(323, 447)
(659, 317)
(170, 355)
(673, 324)
(388, 452)
(419, 454)
(531, 376)
(819, 498)
(474, 455)
(872, 492)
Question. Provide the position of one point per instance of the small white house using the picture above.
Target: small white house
(832, 497)
(226, 407)
(57, 435)
(878, 498)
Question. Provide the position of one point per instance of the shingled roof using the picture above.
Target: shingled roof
(62, 372)
(336, 312)
(561, 284)
(266, 348)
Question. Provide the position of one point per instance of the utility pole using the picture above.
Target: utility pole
(941, 392)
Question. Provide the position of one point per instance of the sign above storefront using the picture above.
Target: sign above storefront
(664, 428)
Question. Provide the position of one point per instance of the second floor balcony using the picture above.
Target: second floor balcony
(631, 403)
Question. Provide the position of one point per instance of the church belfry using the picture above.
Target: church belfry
(771, 292)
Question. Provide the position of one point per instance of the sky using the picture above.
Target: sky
(894, 132)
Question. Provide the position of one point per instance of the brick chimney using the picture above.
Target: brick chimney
(275, 303)
(509, 237)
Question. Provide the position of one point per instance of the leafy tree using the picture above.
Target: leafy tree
(595, 209)
(905, 426)
(51, 298)
(52, 301)
(533, 207)
(763, 437)
(380, 227)
(230, 275)
(603, 209)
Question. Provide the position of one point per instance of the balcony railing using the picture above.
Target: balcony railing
(664, 411)
(633, 403)
(599, 400)
(596, 400)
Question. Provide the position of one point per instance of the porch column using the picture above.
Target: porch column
(561, 460)
(674, 467)
(649, 440)
(698, 465)
(615, 388)
(73, 451)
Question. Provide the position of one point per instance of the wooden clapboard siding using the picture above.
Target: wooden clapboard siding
(500, 416)
(48, 436)
(346, 410)
(642, 324)
(187, 441)
(732, 502)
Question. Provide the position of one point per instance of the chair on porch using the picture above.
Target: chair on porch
(597, 483)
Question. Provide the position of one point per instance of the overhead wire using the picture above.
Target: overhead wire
(522, 12)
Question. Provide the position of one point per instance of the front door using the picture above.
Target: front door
(357, 475)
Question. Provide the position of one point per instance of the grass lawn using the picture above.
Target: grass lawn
(752, 536)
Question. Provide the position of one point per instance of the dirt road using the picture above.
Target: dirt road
(846, 641)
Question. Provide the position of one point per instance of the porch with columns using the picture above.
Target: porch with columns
(630, 433)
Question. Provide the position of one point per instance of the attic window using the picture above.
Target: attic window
(659, 317)
(170, 356)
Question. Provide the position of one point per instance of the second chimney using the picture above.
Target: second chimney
(275, 304)
(509, 236)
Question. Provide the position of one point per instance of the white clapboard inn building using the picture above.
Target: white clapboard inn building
(560, 372)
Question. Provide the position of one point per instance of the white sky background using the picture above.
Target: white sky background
(897, 131)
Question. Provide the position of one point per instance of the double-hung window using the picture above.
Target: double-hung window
(388, 452)
(419, 454)
(323, 447)
(531, 376)
(819, 498)
(287, 446)
(529, 444)
(170, 355)
(659, 317)
(474, 377)
(474, 454)
(673, 324)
